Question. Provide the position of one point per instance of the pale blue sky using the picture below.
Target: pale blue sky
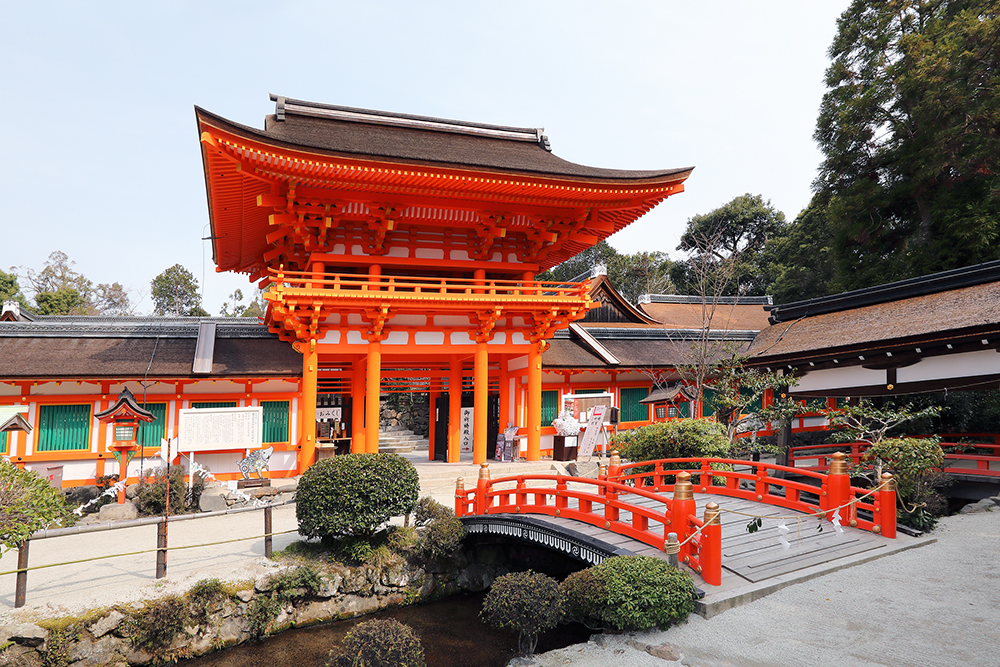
(101, 156)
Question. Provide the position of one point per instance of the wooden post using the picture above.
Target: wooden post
(672, 547)
(358, 406)
(161, 549)
(482, 488)
(307, 432)
(372, 388)
(454, 410)
(602, 476)
(561, 500)
(711, 546)
(267, 531)
(481, 386)
(614, 466)
(681, 507)
(459, 497)
(886, 506)
(21, 584)
(838, 485)
(534, 402)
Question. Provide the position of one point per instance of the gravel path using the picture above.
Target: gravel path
(933, 606)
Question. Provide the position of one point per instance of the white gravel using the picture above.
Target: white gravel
(933, 606)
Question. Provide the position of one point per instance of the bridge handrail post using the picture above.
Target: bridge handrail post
(887, 507)
(711, 546)
(482, 488)
(610, 513)
(602, 476)
(521, 497)
(838, 485)
(762, 486)
(659, 479)
(460, 497)
(614, 466)
(681, 506)
(561, 500)
(705, 479)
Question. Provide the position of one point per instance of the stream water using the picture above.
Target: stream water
(450, 631)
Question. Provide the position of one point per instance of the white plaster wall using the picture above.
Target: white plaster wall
(136, 389)
(430, 253)
(397, 338)
(9, 389)
(429, 337)
(984, 362)
(215, 387)
(837, 378)
(517, 363)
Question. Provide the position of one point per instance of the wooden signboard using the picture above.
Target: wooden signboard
(219, 429)
(594, 427)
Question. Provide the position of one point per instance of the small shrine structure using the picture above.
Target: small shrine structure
(400, 250)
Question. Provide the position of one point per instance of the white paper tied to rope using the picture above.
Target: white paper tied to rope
(205, 473)
(110, 491)
(836, 523)
(783, 531)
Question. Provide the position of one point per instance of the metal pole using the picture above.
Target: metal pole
(267, 531)
(21, 587)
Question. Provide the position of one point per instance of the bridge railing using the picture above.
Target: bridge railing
(756, 480)
(599, 503)
(985, 456)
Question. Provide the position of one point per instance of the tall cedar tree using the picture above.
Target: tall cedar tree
(910, 130)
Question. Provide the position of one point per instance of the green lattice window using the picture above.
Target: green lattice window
(631, 409)
(63, 427)
(275, 421)
(589, 391)
(683, 409)
(151, 433)
(211, 404)
(4, 438)
(550, 407)
(753, 406)
(707, 402)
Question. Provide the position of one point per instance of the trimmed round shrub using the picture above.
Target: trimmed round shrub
(583, 593)
(681, 438)
(378, 643)
(526, 602)
(354, 494)
(639, 593)
(442, 532)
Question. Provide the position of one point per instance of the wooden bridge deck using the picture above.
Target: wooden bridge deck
(753, 557)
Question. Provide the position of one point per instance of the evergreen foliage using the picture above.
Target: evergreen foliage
(630, 593)
(379, 643)
(525, 602)
(27, 503)
(354, 494)
(175, 292)
(909, 131)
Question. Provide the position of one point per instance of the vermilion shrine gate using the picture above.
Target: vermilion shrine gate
(398, 247)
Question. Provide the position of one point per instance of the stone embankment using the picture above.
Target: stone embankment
(234, 614)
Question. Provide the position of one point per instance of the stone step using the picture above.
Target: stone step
(401, 441)
(413, 446)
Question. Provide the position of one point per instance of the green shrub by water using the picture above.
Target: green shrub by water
(525, 602)
(379, 643)
(629, 593)
(354, 494)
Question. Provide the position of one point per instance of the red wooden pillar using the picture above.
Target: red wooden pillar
(481, 395)
(534, 402)
(681, 507)
(358, 406)
(887, 507)
(454, 444)
(711, 546)
(838, 486)
(372, 389)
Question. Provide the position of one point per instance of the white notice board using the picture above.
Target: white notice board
(216, 429)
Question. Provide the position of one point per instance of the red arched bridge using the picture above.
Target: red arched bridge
(655, 504)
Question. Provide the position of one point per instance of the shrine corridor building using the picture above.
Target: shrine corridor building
(396, 252)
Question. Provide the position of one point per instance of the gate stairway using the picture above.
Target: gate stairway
(398, 442)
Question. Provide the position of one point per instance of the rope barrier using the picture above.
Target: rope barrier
(147, 551)
(818, 513)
